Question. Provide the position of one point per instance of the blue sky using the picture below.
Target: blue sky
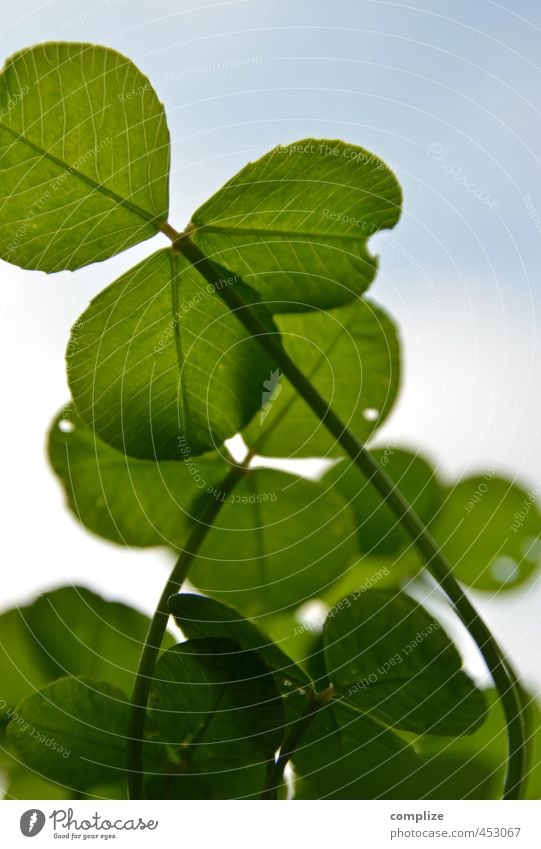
(449, 94)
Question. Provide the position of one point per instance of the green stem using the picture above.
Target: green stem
(275, 773)
(503, 677)
(158, 625)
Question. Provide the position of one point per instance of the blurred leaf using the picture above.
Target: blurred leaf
(128, 501)
(242, 783)
(345, 755)
(352, 357)
(217, 706)
(25, 784)
(23, 668)
(368, 572)
(279, 540)
(490, 529)
(484, 750)
(198, 616)
(379, 531)
(72, 732)
(68, 631)
(159, 368)
(390, 657)
(450, 777)
(295, 223)
(85, 156)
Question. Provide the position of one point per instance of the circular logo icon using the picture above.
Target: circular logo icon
(32, 822)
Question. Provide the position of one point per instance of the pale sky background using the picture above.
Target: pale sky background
(460, 274)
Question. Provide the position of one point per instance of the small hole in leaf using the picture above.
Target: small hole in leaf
(66, 426)
(505, 569)
(370, 414)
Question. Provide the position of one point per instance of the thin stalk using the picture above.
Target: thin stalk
(158, 625)
(437, 564)
(275, 773)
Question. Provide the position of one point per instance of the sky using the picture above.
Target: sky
(450, 95)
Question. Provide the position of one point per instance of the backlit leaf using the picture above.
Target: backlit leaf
(490, 529)
(68, 631)
(345, 755)
(390, 657)
(128, 501)
(159, 368)
(295, 223)
(84, 153)
(279, 541)
(72, 732)
(198, 616)
(352, 357)
(379, 529)
(216, 706)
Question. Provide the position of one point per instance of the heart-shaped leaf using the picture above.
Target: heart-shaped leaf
(295, 223)
(352, 356)
(490, 529)
(128, 501)
(84, 150)
(159, 367)
(279, 541)
(386, 655)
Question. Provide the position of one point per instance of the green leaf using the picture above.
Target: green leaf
(128, 501)
(485, 750)
(84, 148)
(243, 783)
(388, 656)
(490, 529)
(352, 357)
(295, 223)
(68, 631)
(344, 755)
(24, 784)
(72, 732)
(159, 368)
(279, 541)
(216, 705)
(198, 616)
(22, 666)
(379, 530)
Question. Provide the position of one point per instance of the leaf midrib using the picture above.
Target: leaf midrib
(64, 166)
(285, 234)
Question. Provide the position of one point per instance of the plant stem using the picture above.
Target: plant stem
(275, 773)
(503, 677)
(158, 625)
